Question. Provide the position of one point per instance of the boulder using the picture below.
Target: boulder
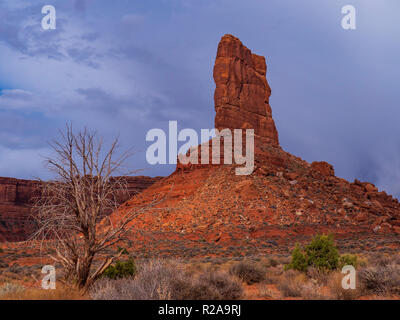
(323, 168)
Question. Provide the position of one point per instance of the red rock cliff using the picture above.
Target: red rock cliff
(16, 196)
(242, 91)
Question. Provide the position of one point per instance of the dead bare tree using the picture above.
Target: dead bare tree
(73, 209)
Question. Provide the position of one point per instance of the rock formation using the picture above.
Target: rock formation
(16, 197)
(242, 91)
(210, 211)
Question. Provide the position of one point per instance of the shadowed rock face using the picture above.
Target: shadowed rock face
(242, 91)
(17, 196)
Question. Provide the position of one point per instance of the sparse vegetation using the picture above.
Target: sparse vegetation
(121, 269)
(214, 279)
(348, 260)
(299, 261)
(165, 280)
(60, 293)
(338, 292)
(10, 289)
(83, 193)
(381, 280)
(247, 271)
(321, 254)
(291, 284)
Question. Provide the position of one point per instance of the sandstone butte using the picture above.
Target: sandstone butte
(207, 210)
(17, 197)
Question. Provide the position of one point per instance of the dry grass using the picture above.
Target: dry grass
(41, 294)
(164, 280)
(291, 283)
(248, 271)
(265, 292)
(319, 276)
(379, 279)
(338, 292)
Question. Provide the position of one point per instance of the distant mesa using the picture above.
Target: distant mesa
(17, 197)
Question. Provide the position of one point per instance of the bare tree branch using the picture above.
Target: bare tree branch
(85, 191)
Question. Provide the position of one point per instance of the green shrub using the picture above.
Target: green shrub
(123, 250)
(121, 269)
(299, 261)
(321, 253)
(348, 260)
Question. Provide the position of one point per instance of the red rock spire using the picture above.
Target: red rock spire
(242, 91)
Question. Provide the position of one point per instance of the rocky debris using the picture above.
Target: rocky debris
(209, 210)
(323, 168)
(17, 196)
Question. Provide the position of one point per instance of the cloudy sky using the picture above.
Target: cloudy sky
(127, 66)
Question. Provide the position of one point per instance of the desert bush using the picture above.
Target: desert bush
(338, 292)
(264, 291)
(381, 280)
(290, 288)
(379, 259)
(209, 285)
(318, 275)
(313, 291)
(348, 260)
(121, 269)
(321, 253)
(162, 280)
(299, 261)
(151, 283)
(226, 286)
(248, 272)
(273, 262)
(272, 276)
(295, 284)
(10, 289)
(290, 284)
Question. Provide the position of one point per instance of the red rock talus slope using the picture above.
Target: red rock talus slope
(208, 210)
(16, 197)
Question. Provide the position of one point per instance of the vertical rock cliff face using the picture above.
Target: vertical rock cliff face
(17, 196)
(242, 91)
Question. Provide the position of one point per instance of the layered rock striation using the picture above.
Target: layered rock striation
(17, 197)
(242, 91)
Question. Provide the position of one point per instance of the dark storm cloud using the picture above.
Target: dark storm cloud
(129, 66)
